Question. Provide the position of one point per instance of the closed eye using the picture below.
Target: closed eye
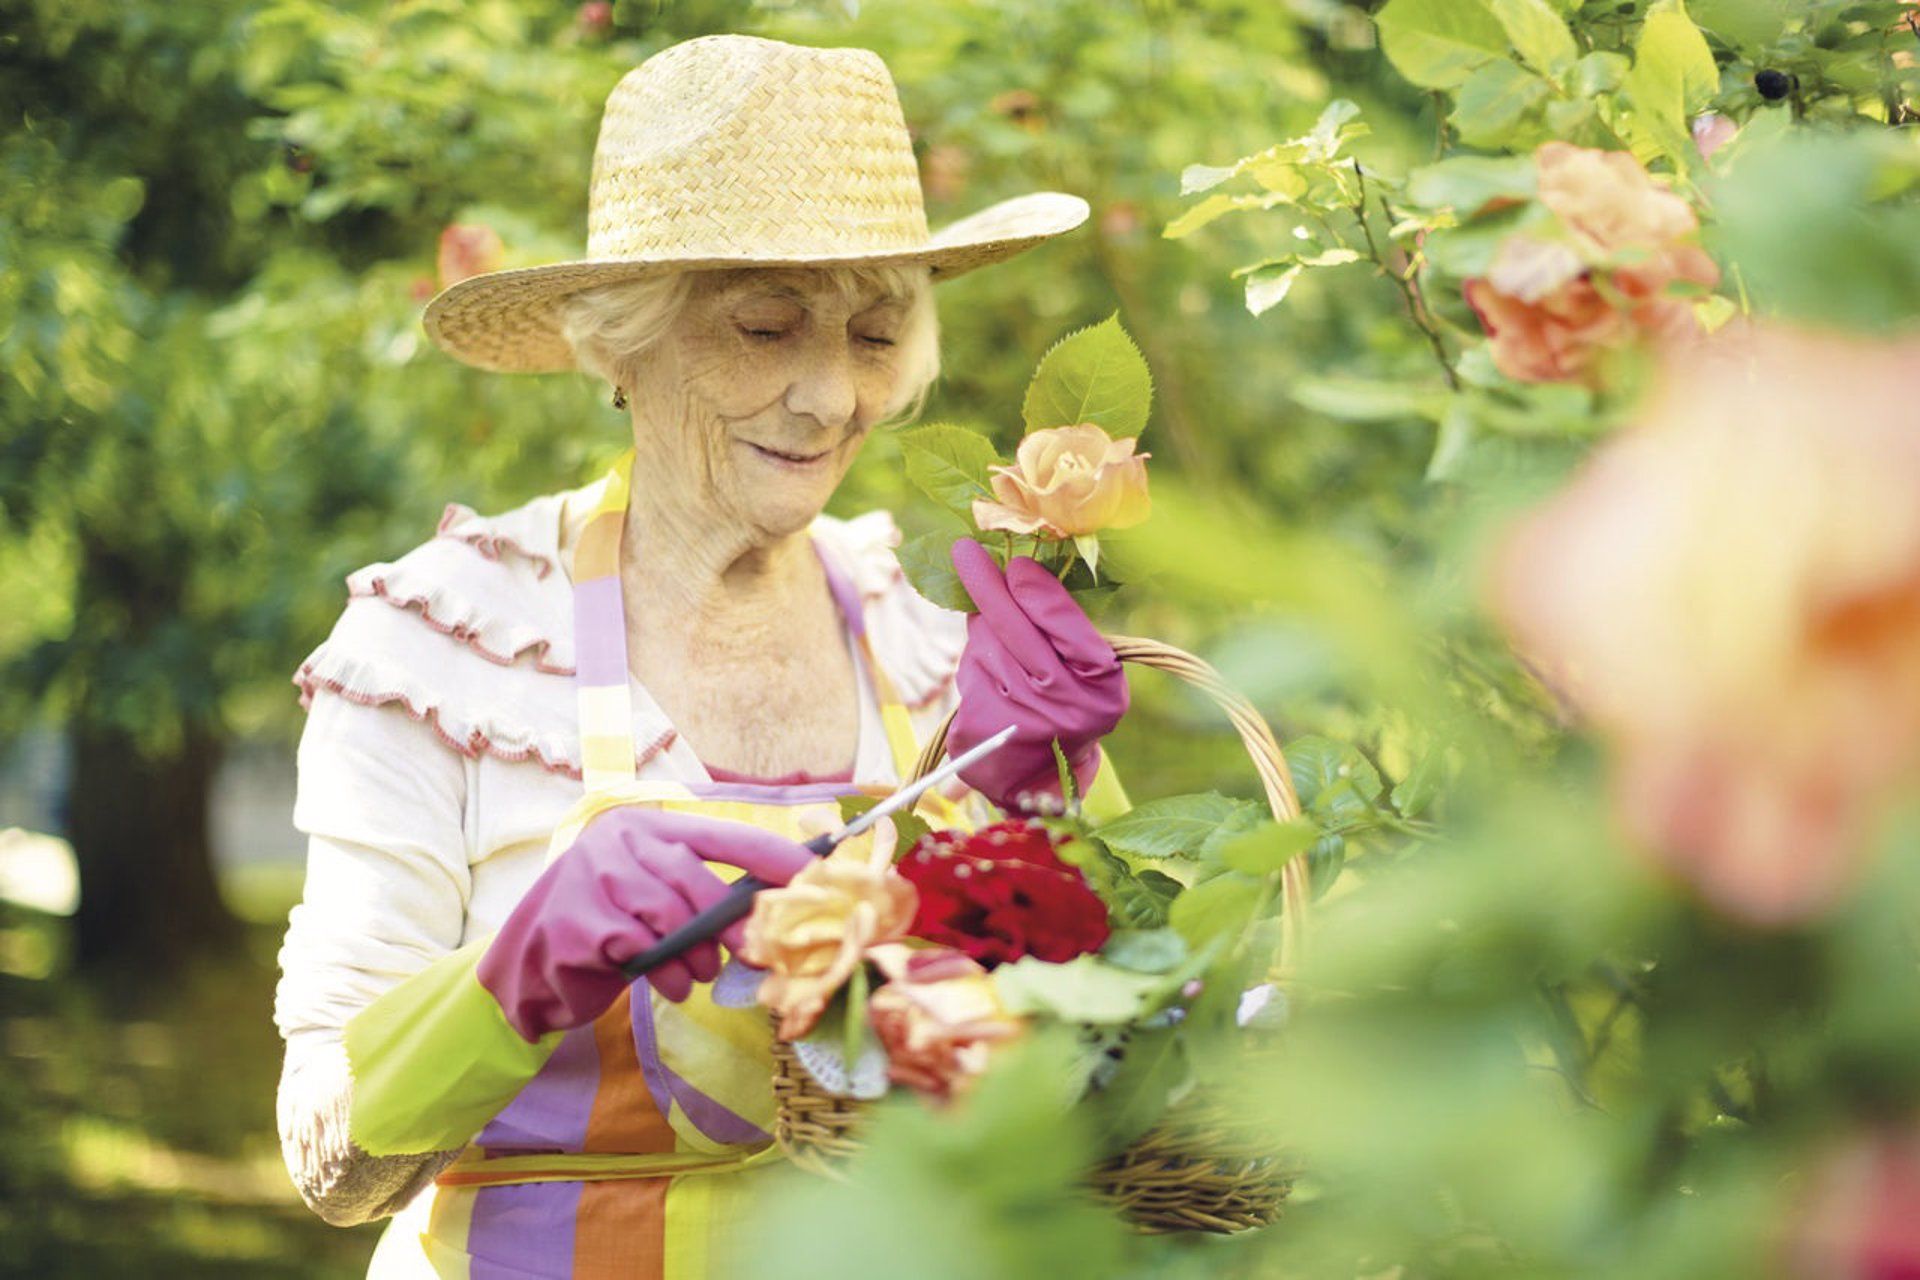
(764, 335)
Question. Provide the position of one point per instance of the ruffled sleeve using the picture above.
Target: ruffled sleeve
(470, 634)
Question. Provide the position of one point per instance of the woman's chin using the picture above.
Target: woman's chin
(781, 510)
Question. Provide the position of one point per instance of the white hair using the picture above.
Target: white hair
(611, 327)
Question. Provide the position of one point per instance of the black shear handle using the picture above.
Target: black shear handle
(709, 923)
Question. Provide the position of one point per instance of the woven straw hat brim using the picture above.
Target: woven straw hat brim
(507, 321)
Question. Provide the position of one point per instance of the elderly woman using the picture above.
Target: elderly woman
(540, 741)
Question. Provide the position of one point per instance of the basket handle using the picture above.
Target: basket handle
(1261, 746)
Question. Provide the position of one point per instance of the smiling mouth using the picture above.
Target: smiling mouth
(783, 457)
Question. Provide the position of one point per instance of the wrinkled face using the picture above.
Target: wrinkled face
(758, 398)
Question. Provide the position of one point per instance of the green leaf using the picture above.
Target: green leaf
(1364, 400)
(1145, 950)
(1324, 863)
(1748, 25)
(1135, 900)
(1084, 989)
(1216, 908)
(856, 1018)
(1331, 776)
(1196, 178)
(1330, 258)
(1493, 108)
(1267, 848)
(1218, 205)
(1174, 827)
(1154, 1072)
(1673, 76)
(1537, 33)
(1468, 184)
(1438, 44)
(1452, 442)
(949, 464)
(1601, 71)
(1413, 793)
(909, 826)
(1094, 375)
(1268, 287)
(928, 563)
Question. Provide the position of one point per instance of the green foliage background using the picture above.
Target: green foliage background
(1515, 1052)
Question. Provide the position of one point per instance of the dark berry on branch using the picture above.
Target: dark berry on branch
(1774, 85)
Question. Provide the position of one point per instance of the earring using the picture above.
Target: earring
(619, 397)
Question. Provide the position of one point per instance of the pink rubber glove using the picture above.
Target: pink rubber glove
(633, 876)
(1033, 661)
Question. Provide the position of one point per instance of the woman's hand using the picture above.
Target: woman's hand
(633, 876)
(1033, 661)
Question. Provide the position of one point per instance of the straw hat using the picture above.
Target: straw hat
(737, 151)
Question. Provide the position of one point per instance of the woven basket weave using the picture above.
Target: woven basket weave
(1193, 1171)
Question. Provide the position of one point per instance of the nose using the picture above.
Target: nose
(823, 388)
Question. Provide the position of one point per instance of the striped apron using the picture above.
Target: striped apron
(633, 1152)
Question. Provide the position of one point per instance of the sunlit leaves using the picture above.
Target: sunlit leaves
(1673, 76)
(1469, 183)
(1174, 827)
(1538, 34)
(949, 464)
(1497, 106)
(927, 560)
(1080, 990)
(1094, 375)
(1438, 44)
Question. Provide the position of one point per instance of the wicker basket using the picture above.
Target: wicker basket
(1192, 1171)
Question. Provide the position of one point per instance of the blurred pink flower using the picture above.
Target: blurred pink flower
(1861, 1217)
(1552, 304)
(1730, 594)
(468, 249)
(938, 1016)
(1712, 131)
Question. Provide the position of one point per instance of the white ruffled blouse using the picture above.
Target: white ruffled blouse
(441, 750)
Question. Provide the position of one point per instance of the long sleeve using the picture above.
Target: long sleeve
(382, 801)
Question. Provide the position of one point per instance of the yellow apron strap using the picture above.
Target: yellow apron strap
(600, 640)
(902, 745)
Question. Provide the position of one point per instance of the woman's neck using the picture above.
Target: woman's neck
(704, 568)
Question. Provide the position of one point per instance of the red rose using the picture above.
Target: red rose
(1002, 893)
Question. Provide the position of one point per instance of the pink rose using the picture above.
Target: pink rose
(1730, 594)
(1712, 131)
(1066, 482)
(1552, 305)
(938, 1017)
(1861, 1217)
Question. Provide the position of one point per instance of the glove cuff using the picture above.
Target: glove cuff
(434, 1059)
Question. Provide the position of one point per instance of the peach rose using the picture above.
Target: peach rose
(1066, 482)
(810, 933)
(1730, 594)
(938, 1017)
(1551, 306)
(466, 250)
(1556, 339)
(1608, 202)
